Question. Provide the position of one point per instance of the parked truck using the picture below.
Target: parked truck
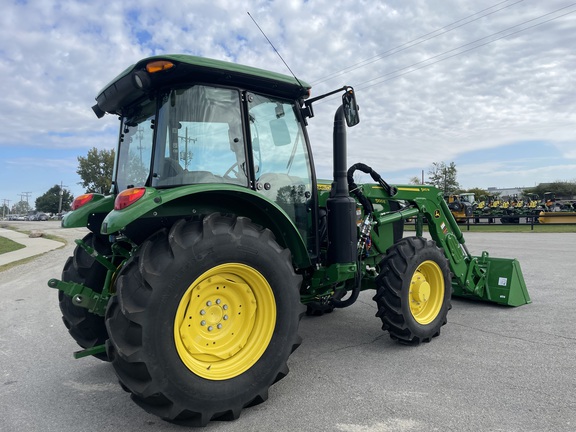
(217, 237)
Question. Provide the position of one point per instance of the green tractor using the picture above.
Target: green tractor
(217, 237)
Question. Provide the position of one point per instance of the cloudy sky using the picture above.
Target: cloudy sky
(489, 85)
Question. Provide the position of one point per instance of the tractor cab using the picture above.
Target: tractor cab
(199, 135)
(194, 127)
(469, 198)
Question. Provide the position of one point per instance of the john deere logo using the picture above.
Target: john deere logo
(436, 214)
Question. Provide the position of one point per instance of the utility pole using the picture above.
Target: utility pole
(5, 204)
(186, 155)
(61, 195)
(26, 195)
(140, 136)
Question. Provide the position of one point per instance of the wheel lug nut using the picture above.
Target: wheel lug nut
(202, 323)
(225, 317)
(202, 312)
(225, 307)
(210, 328)
(219, 326)
(208, 303)
(218, 301)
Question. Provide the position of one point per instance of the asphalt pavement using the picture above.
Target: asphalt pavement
(493, 368)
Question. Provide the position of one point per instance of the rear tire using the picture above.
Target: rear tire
(413, 291)
(87, 329)
(204, 320)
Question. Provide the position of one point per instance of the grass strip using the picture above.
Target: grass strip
(7, 245)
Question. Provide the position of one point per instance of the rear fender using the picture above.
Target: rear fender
(159, 208)
(85, 215)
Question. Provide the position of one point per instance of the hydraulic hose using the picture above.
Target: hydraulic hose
(369, 209)
(390, 190)
(354, 189)
(353, 296)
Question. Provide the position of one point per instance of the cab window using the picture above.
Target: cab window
(200, 138)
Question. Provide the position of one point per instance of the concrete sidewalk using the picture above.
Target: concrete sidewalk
(33, 246)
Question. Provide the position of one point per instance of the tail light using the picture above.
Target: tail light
(82, 200)
(128, 197)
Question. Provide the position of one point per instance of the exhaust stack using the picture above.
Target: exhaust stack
(342, 237)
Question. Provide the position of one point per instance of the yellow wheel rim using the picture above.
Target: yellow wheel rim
(426, 292)
(225, 321)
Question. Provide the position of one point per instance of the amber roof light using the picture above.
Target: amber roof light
(159, 66)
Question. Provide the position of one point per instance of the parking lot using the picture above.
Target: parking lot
(493, 368)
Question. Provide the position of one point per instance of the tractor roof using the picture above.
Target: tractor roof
(122, 91)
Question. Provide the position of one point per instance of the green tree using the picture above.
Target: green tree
(5, 210)
(50, 201)
(478, 192)
(562, 189)
(417, 180)
(443, 177)
(95, 170)
(136, 172)
(21, 207)
(290, 195)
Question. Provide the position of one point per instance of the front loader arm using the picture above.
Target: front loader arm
(493, 279)
(427, 203)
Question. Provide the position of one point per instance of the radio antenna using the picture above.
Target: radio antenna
(274, 48)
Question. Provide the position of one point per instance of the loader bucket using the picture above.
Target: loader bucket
(503, 284)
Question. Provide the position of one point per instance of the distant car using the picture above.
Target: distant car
(39, 216)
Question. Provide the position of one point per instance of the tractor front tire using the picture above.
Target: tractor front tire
(86, 328)
(204, 320)
(413, 291)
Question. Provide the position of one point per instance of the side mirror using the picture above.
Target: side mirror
(350, 107)
(280, 132)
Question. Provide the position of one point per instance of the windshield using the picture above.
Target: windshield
(200, 138)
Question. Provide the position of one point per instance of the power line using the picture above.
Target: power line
(417, 41)
(359, 86)
(25, 194)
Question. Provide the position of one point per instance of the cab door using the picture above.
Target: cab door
(282, 162)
